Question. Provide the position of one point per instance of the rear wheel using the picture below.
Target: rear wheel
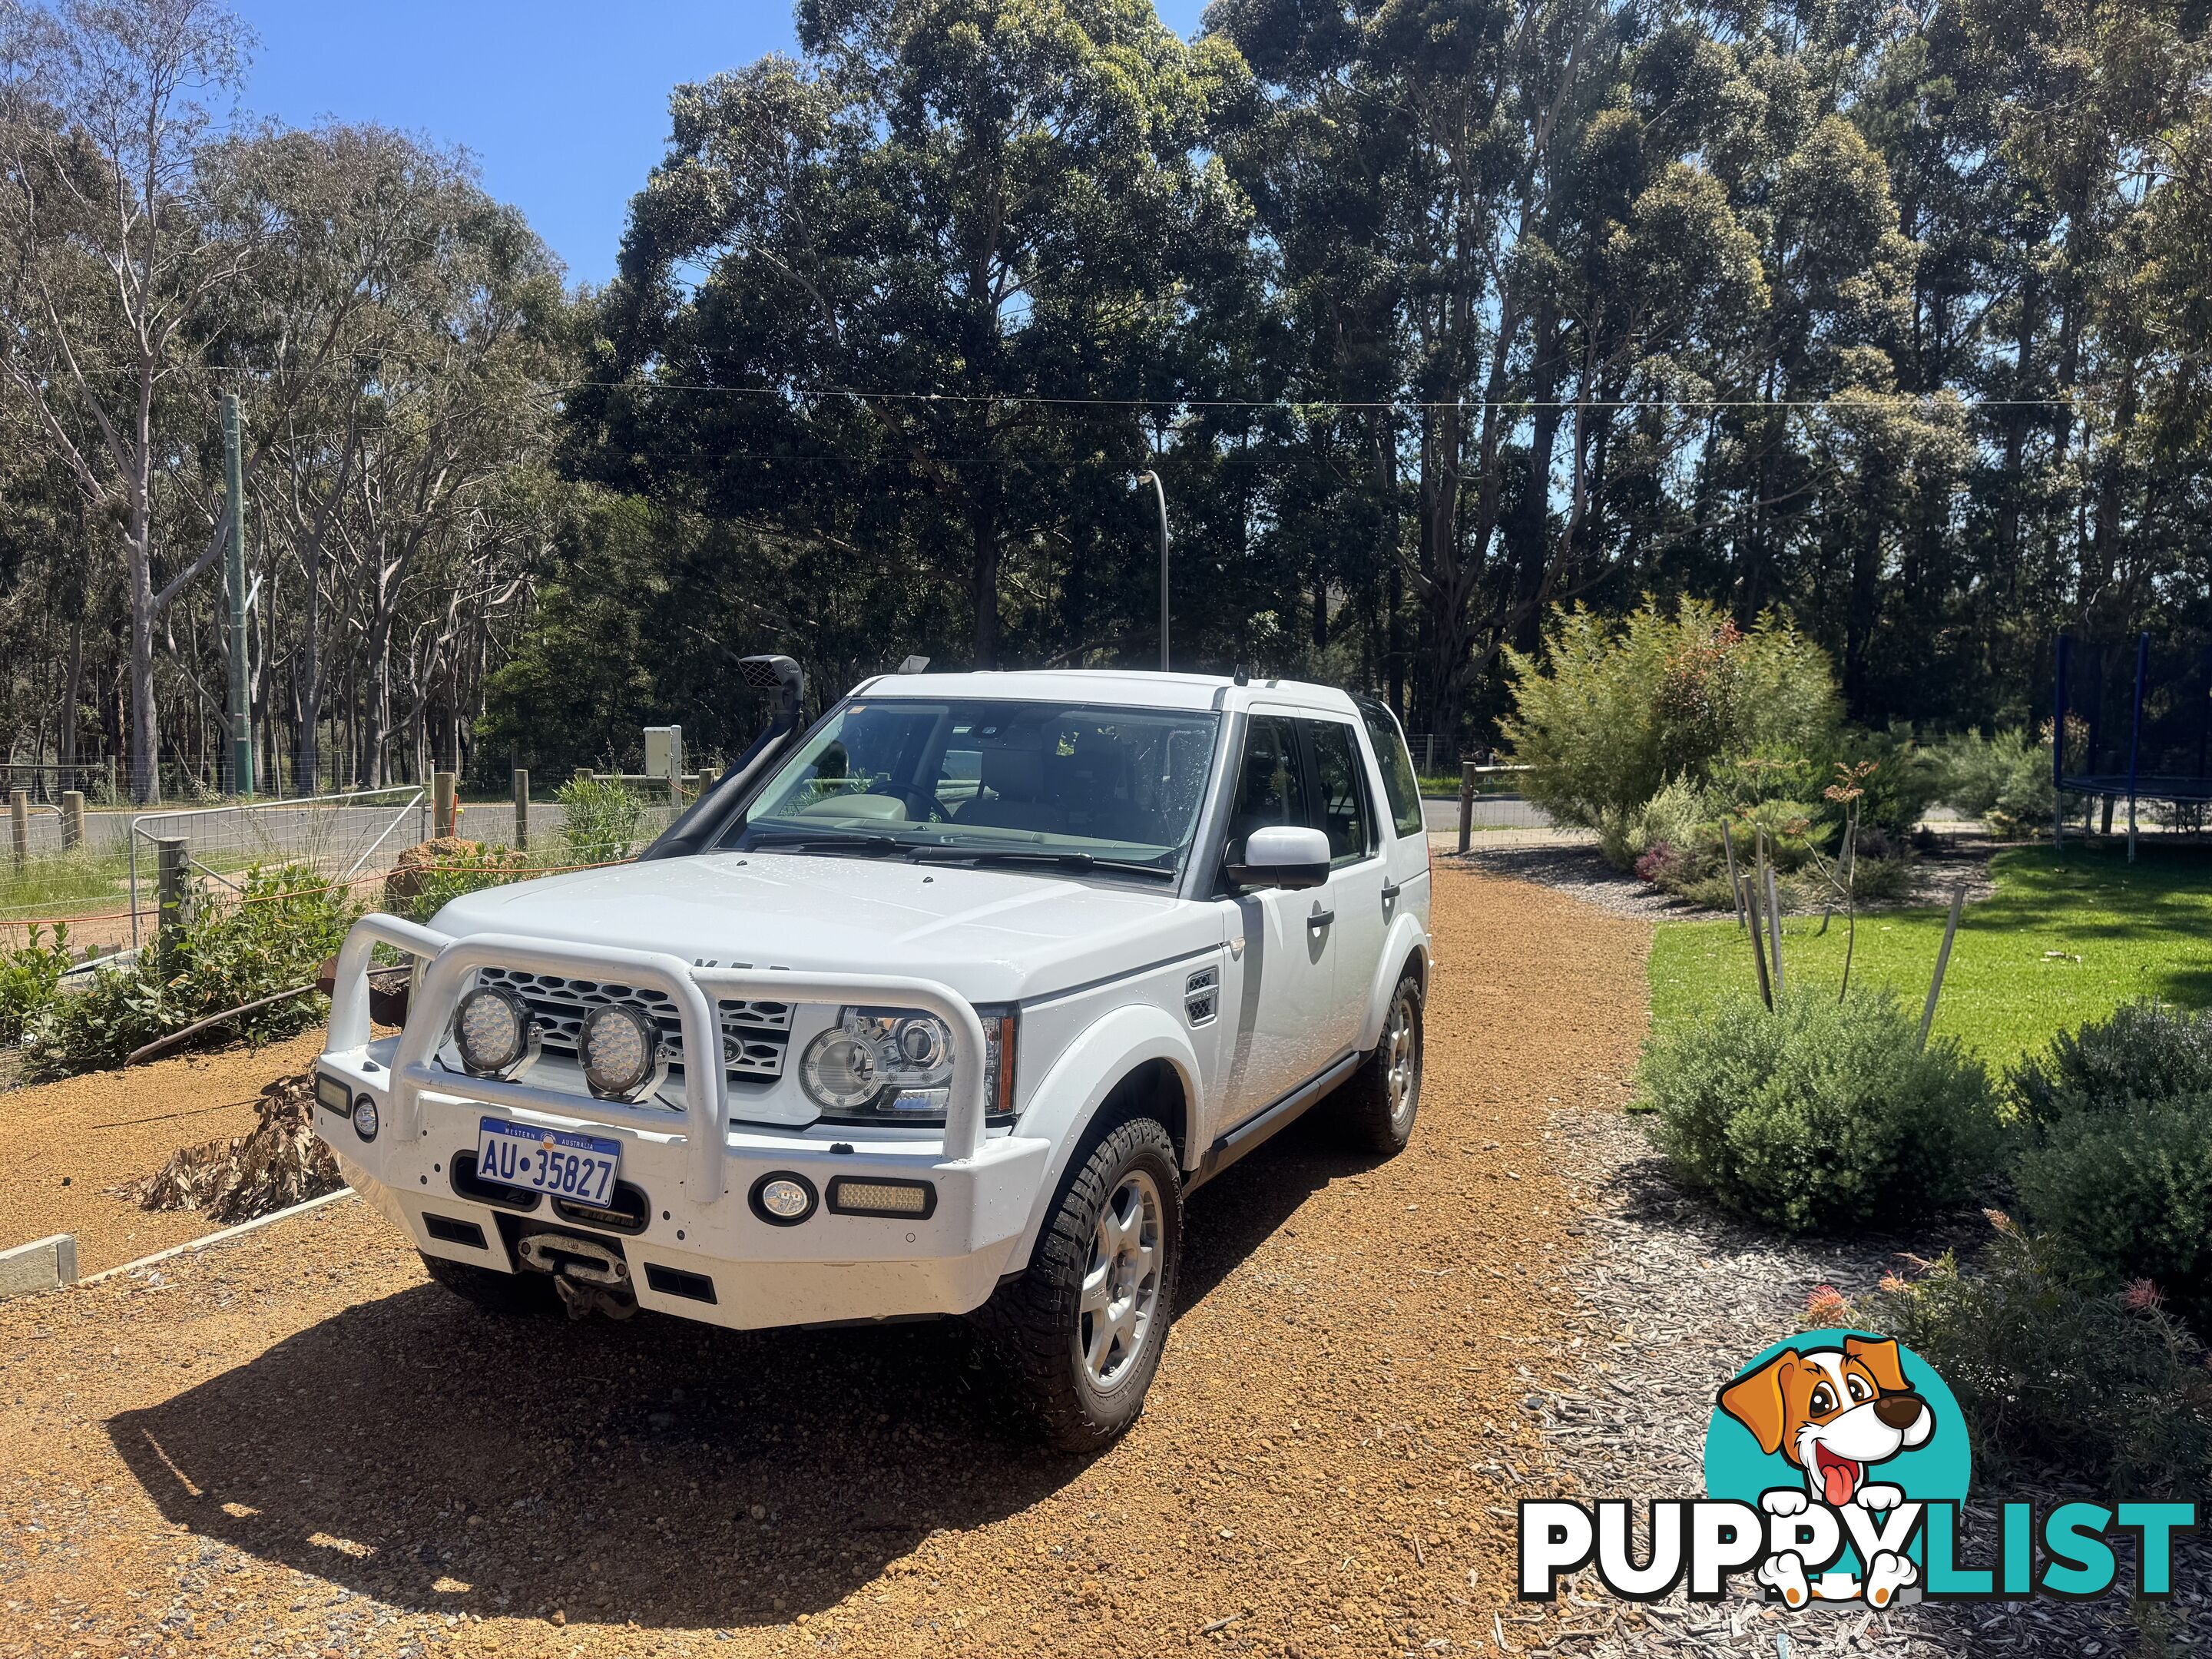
(1082, 1329)
(1377, 1105)
(509, 1295)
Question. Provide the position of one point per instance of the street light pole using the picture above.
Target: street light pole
(241, 700)
(1159, 490)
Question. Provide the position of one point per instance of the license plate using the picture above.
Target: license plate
(556, 1161)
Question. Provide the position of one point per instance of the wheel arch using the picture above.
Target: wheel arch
(1135, 1057)
(1405, 947)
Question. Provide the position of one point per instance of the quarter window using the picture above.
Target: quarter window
(1398, 779)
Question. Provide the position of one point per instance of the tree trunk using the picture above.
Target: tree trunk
(983, 535)
(72, 684)
(307, 768)
(145, 730)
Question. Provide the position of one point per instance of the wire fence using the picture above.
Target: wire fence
(343, 837)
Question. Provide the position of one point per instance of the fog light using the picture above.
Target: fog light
(620, 1047)
(495, 1032)
(333, 1093)
(364, 1118)
(911, 1199)
(783, 1200)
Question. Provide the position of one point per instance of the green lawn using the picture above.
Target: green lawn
(2139, 930)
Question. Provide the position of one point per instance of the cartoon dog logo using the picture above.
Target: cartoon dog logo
(1834, 1413)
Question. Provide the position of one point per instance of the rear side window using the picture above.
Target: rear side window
(1398, 779)
(1344, 816)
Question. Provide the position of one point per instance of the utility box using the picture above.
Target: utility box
(664, 756)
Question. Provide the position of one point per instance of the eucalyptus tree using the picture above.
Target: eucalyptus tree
(1505, 201)
(403, 320)
(112, 255)
(912, 293)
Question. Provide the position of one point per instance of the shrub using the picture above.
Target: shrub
(601, 820)
(2052, 1366)
(1670, 816)
(2142, 1052)
(2003, 780)
(30, 975)
(2129, 1192)
(1821, 1114)
(1608, 718)
(283, 923)
(1907, 777)
(431, 875)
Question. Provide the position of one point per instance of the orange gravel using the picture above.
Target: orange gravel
(67, 1147)
(293, 1444)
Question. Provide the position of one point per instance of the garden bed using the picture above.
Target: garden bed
(1676, 1299)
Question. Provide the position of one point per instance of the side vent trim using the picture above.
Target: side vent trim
(1201, 996)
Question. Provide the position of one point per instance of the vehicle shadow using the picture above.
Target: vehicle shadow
(417, 1451)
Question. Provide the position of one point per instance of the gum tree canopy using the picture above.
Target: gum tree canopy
(935, 268)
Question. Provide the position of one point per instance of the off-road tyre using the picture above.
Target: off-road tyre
(1377, 1105)
(511, 1296)
(1040, 1324)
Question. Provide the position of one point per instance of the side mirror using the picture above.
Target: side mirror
(1282, 855)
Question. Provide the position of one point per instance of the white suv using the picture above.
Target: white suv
(942, 1006)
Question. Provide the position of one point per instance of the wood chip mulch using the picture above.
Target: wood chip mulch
(1676, 1299)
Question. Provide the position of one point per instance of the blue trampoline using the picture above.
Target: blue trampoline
(2133, 723)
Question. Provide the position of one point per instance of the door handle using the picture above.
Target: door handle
(1390, 891)
(1320, 919)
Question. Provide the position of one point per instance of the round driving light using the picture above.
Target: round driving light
(620, 1047)
(783, 1199)
(495, 1032)
(364, 1118)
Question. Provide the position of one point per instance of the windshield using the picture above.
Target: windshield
(991, 781)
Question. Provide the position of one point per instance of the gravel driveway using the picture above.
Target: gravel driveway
(293, 1444)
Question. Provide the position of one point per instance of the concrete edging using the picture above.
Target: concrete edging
(44, 1264)
(191, 1245)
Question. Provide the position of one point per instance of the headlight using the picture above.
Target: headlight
(495, 1032)
(895, 1066)
(620, 1047)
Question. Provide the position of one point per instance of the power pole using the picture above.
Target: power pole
(1160, 491)
(241, 701)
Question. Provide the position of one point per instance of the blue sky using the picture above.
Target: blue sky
(564, 105)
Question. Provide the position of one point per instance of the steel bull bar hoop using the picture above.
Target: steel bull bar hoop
(693, 991)
(963, 1116)
(706, 1104)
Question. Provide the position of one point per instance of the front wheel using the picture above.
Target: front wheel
(1082, 1329)
(1378, 1103)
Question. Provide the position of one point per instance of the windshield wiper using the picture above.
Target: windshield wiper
(869, 846)
(1070, 861)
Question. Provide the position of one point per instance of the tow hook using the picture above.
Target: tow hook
(590, 1277)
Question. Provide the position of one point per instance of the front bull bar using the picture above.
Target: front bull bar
(694, 990)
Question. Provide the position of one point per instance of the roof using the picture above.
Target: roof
(1114, 686)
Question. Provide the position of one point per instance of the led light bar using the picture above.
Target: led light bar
(912, 1200)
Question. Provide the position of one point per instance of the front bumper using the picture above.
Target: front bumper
(700, 1249)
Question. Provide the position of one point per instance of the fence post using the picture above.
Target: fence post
(19, 823)
(174, 855)
(521, 809)
(1466, 804)
(442, 805)
(72, 819)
